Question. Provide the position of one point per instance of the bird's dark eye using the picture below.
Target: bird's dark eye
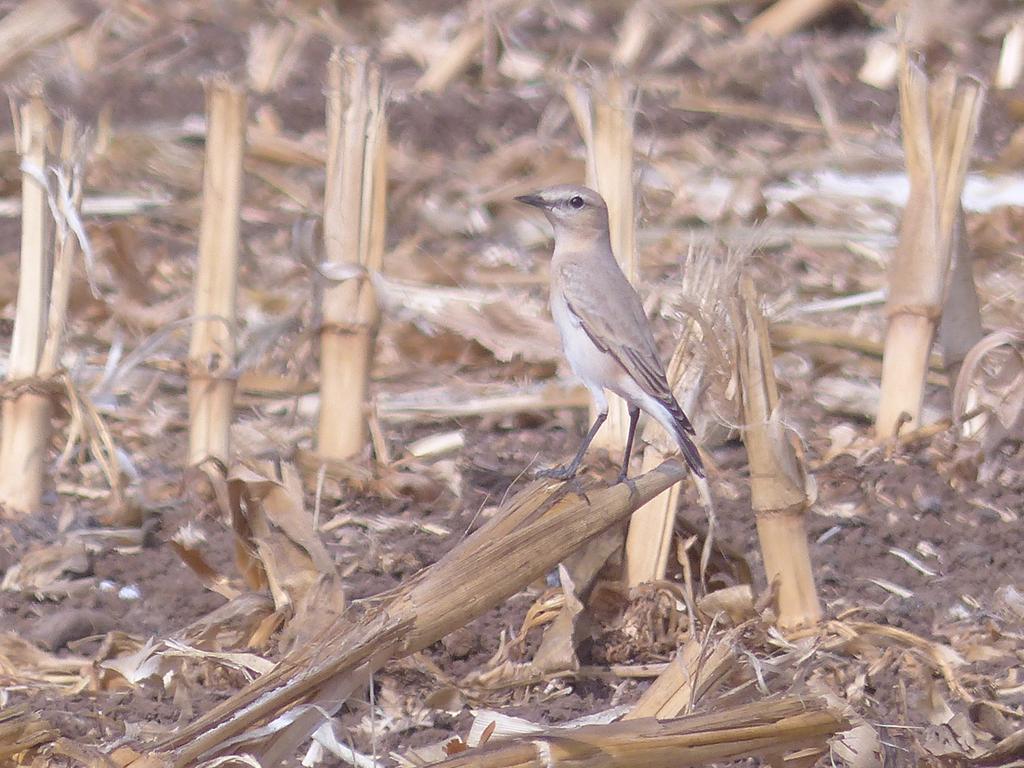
(576, 202)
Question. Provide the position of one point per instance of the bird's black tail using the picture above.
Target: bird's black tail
(684, 433)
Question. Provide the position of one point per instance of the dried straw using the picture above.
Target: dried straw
(778, 482)
(939, 125)
(354, 224)
(38, 327)
(213, 347)
(534, 530)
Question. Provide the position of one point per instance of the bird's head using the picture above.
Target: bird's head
(570, 208)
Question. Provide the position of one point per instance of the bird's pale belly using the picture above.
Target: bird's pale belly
(594, 367)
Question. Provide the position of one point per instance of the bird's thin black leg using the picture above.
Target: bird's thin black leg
(570, 470)
(634, 416)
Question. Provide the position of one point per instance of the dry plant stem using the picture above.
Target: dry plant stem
(212, 352)
(786, 16)
(788, 335)
(605, 122)
(689, 676)
(778, 494)
(960, 328)
(455, 60)
(31, 25)
(534, 530)
(22, 729)
(707, 284)
(271, 54)
(939, 125)
(762, 729)
(761, 113)
(27, 405)
(649, 537)
(354, 223)
(1011, 58)
(442, 403)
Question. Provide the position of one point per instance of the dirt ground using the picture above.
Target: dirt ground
(912, 536)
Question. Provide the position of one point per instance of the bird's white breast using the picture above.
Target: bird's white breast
(593, 366)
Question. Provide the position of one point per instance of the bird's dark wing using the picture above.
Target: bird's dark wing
(612, 315)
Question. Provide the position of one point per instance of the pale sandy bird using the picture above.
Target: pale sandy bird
(605, 333)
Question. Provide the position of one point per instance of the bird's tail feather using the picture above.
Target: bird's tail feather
(683, 430)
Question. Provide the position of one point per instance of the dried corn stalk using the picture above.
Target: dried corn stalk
(1011, 58)
(459, 400)
(44, 282)
(557, 651)
(779, 487)
(273, 52)
(354, 222)
(22, 730)
(606, 125)
(960, 328)
(277, 547)
(536, 529)
(32, 25)
(699, 372)
(456, 58)
(212, 353)
(638, 24)
(939, 125)
(691, 674)
(767, 729)
(786, 16)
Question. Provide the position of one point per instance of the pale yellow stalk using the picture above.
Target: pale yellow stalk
(778, 484)
(27, 404)
(213, 350)
(939, 125)
(355, 215)
(605, 122)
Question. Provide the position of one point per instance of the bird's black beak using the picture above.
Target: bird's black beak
(535, 200)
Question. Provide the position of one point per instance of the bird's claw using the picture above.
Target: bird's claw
(623, 479)
(557, 473)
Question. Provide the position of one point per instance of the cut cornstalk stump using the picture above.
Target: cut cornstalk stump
(354, 230)
(779, 494)
(939, 124)
(31, 374)
(213, 349)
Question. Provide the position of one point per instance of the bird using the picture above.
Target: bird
(606, 335)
